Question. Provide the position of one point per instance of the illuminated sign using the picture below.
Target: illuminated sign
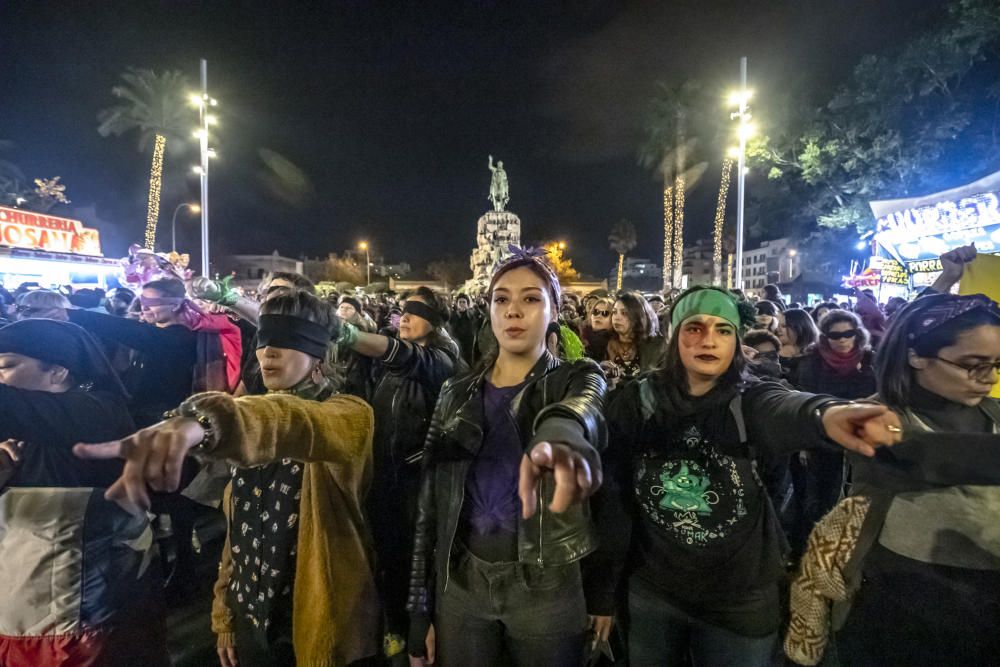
(890, 271)
(25, 229)
(926, 232)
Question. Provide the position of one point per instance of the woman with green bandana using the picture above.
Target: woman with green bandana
(684, 520)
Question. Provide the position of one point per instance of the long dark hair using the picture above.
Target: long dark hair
(640, 314)
(862, 340)
(800, 323)
(893, 374)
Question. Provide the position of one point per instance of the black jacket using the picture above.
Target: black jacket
(560, 403)
(815, 376)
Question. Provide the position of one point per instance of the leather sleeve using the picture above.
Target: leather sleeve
(780, 421)
(420, 601)
(576, 418)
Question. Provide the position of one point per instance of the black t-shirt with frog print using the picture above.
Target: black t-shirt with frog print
(264, 531)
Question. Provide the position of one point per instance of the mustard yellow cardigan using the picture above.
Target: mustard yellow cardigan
(335, 608)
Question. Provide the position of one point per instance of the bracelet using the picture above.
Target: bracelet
(203, 420)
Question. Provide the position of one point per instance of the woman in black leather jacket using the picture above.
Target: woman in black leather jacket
(499, 537)
(410, 372)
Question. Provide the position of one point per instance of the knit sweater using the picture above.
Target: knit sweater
(335, 610)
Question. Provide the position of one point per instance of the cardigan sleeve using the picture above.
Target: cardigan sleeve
(222, 616)
(254, 430)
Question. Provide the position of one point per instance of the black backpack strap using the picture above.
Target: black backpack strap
(878, 509)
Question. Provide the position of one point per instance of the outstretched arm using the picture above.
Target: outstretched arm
(251, 430)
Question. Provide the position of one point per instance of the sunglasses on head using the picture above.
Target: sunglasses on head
(602, 313)
(837, 335)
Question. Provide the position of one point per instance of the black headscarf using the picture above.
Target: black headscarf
(63, 344)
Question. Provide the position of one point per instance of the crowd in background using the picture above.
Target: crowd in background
(524, 477)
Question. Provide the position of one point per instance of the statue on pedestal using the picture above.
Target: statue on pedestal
(499, 191)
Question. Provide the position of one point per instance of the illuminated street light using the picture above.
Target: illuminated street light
(368, 259)
(562, 245)
(194, 208)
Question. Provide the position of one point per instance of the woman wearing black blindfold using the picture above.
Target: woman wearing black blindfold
(409, 371)
(295, 584)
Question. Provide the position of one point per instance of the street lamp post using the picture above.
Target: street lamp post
(203, 101)
(194, 208)
(368, 260)
(742, 114)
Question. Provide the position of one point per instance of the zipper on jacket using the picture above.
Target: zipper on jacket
(541, 519)
(454, 531)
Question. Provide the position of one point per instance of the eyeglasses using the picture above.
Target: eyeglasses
(983, 372)
(837, 335)
(602, 313)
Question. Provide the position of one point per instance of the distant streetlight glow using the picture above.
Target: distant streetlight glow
(733, 152)
(741, 99)
(368, 260)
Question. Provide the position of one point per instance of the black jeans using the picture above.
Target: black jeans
(817, 486)
(251, 653)
(534, 616)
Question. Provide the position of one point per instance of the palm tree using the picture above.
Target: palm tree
(622, 239)
(155, 105)
(667, 150)
(720, 221)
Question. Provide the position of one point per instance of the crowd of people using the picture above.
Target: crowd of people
(522, 477)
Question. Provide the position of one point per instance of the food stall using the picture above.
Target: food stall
(911, 234)
(51, 251)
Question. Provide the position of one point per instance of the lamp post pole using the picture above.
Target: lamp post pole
(743, 114)
(368, 261)
(173, 223)
(203, 117)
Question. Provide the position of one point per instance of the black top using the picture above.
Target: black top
(814, 375)
(263, 537)
(50, 424)
(683, 507)
(162, 377)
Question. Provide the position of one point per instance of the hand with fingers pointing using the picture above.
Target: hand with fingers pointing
(575, 479)
(11, 452)
(862, 427)
(153, 459)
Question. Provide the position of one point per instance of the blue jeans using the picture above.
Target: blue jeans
(660, 635)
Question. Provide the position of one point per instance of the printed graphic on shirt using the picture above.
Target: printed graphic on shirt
(691, 490)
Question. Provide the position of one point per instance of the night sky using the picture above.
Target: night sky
(388, 110)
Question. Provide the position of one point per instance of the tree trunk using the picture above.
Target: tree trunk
(621, 263)
(678, 268)
(720, 221)
(155, 180)
(668, 236)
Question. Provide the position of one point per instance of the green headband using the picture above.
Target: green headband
(706, 302)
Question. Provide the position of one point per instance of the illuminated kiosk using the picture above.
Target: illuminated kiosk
(912, 233)
(51, 251)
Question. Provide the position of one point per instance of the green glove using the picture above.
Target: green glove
(221, 292)
(348, 335)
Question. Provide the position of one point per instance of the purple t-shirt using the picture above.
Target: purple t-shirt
(489, 513)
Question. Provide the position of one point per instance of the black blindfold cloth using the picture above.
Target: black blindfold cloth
(421, 309)
(293, 333)
(63, 344)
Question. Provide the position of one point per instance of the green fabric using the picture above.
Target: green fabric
(572, 347)
(220, 292)
(706, 302)
(348, 335)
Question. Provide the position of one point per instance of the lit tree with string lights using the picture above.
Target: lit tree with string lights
(155, 106)
(720, 219)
